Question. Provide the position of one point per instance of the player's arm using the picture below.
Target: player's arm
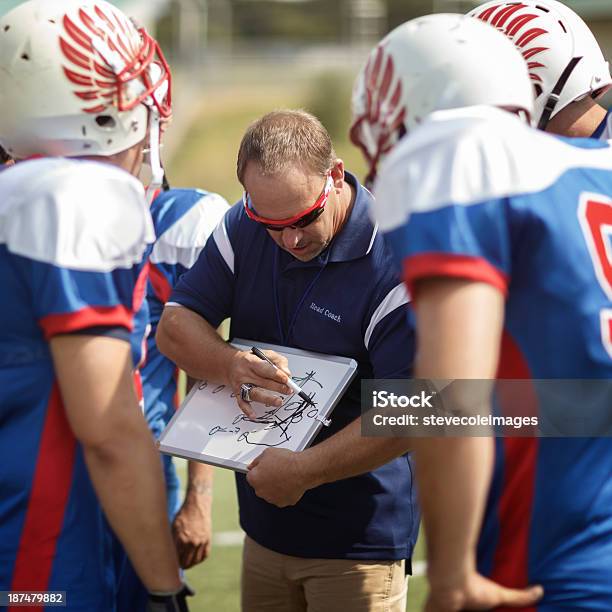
(192, 526)
(96, 384)
(453, 474)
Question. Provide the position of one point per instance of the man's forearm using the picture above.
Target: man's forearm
(453, 476)
(199, 483)
(281, 476)
(128, 480)
(347, 454)
(193, 344)
(123, 463)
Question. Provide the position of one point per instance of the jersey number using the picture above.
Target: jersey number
(595, 216)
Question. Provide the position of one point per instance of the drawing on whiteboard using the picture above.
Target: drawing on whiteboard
(274, 426)
(210, 427)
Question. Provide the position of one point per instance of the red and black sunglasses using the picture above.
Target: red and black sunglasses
(298, 221)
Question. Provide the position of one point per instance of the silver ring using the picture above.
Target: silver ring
(245, 392)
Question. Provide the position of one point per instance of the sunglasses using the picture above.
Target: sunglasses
(298, 221)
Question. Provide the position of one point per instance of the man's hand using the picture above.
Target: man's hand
(192, 526)
(278, 476)
(247, 368)
(475, 592)
(192, 531)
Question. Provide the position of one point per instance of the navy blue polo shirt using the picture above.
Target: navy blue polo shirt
(347, 301)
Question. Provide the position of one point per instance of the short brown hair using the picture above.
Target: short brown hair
(285, 137)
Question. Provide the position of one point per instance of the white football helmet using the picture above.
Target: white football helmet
(564, 60)
(433, 63)
(78, 78)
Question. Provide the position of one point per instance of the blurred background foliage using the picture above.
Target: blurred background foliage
(206, 154)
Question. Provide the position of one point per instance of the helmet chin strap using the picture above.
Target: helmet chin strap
(157, 170)
(553, 99)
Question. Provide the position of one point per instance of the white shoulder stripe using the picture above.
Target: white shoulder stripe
(224, 245)
(183, 241)
(398, 296)
(81, 215)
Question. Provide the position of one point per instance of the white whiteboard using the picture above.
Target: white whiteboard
(209, 427)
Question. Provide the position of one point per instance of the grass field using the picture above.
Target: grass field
(207, 159)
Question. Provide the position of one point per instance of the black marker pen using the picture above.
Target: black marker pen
(296, 388)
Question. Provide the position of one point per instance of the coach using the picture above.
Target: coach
(298, 263)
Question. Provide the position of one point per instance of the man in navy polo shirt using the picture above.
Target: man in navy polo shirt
(298, 263)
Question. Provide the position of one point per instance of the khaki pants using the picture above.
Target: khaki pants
(272, 582)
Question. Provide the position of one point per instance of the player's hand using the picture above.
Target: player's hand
(277, 476)
(192, 531)
(248, 368)
(170, 602)
(475, 592)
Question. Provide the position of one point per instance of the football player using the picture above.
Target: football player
(78, 103)
(504, 237)
(183, 221)
(566, 64)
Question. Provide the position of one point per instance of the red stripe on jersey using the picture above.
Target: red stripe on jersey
(606, 329)
(428, 265)
(140, 289)
(47, 503)
(91, 316)
(511, 558)
(160, 284)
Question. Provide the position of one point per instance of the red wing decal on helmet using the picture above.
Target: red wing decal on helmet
(529, 53)
(500, 18)
(384, 92)
(485, 15)
(529, 36)
(95, 68)
(499, 14)
(517, 23)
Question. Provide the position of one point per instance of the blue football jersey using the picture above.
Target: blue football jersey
(604, 130)
(478, 195)
(183, 220)
(72, 238)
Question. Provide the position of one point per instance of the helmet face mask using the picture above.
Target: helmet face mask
(432, 63)
(87, 85)
(565, 61)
